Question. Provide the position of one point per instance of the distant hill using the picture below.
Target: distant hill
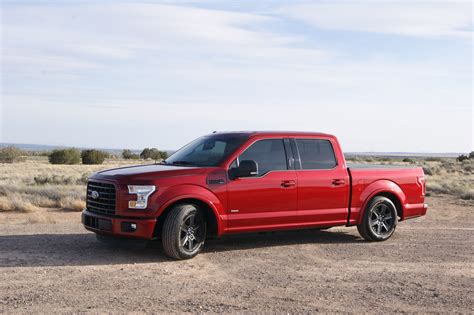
(44, 147)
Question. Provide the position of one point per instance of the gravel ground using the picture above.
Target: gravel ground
(427, 266)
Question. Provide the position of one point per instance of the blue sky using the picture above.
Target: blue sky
(382, 76)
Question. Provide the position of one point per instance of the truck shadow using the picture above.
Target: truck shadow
(83, 249)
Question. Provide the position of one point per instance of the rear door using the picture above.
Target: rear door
(268, 199)
(323, 182)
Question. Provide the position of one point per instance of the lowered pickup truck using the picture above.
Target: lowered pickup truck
(237, 182)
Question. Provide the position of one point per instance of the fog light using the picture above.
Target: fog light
(129, 227)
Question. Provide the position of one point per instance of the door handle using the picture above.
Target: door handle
(288, 183)
(338, 182)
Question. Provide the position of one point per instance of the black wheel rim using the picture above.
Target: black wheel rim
(192, 232)
(381, 220)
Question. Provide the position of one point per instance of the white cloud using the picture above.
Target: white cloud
(410, 18)
(182, 71)
(71, 35)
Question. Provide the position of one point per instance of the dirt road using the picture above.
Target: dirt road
(426, 266)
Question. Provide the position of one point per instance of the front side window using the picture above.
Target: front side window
(207, 151)
(269, 155)
(316, 154)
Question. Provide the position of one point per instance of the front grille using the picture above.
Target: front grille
(105, 201)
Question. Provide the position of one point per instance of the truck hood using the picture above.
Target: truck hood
(151, 171)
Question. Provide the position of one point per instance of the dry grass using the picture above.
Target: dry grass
(32, 184)
(443, 175)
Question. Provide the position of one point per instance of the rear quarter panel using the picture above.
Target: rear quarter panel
(400, 182)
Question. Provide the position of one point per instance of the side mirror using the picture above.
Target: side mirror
(247, 168)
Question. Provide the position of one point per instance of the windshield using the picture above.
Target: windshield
(207, 151)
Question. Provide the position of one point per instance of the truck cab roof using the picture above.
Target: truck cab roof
(274, 133)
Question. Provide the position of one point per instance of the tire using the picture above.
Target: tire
(184, 232)
(379, 221)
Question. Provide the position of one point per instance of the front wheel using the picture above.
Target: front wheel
(184, 232)
(379, 221)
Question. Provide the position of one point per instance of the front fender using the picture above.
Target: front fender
(188, 191)
(378, 187)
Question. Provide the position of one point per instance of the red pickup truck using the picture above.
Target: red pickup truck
(236, 182)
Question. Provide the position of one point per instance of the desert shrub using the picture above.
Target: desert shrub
(53, 180)
(468, 168)
(129, 155)
(16, 203)
(11, 154)
(408, 160)
(73, 204)
(433, 159)
(93, 157)
(462, 157)
(83, 179)
(65, 156)
(471, 155)
(469, 195)
(152, 153)
(429, 170)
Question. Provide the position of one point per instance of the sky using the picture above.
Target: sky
(386, 76)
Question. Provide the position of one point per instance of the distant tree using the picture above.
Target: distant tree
(462, 157)
(65, 156)
(93, 157)
(129, 155)
(152, 153)
(11, 154)
(164, 154)
(471, 155)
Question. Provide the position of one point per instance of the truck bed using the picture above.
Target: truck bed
(400, 180)
(378, 166)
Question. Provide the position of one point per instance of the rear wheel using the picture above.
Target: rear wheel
(379, 221)
(184, 232)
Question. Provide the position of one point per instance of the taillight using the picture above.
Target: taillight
(421, 182)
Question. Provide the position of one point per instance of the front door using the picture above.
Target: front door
(266, 200)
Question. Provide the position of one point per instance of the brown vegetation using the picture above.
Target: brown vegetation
(34, 183)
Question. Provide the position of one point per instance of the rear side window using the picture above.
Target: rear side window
(316, 154)
(269, 155)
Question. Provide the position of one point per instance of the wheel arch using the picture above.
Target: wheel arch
(384, 188)
(213, 221)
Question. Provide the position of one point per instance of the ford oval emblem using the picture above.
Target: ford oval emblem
(95, 195)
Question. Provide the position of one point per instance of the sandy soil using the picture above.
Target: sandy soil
(427, 266)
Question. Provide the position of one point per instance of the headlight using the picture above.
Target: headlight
(142, 192)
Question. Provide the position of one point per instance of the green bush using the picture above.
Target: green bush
(129, 155)
(462, 158)
(408, 160)
(11, 154)
(93, 157)
(65, 156)
(152, 153)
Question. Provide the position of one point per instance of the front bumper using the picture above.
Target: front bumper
(119, 226)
